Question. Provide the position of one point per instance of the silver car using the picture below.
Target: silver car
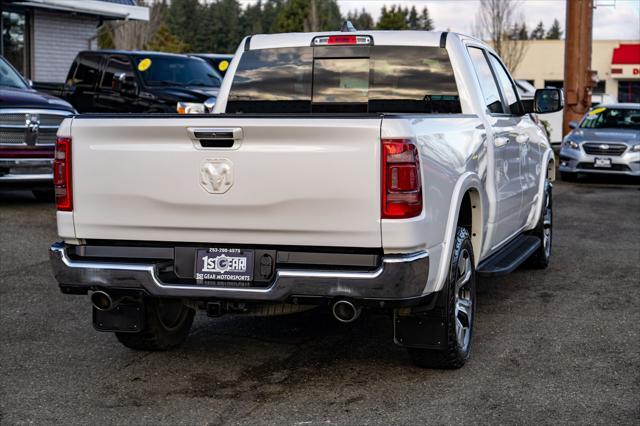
(607, 140)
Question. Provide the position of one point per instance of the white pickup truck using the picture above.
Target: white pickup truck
(344, 169)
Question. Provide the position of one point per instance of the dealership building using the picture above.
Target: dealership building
(42, 37)
(617, 63)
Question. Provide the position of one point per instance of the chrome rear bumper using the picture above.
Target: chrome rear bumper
(399, 277)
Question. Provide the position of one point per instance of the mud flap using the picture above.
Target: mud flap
(422, 326)
(124, 318)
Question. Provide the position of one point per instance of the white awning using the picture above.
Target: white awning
(92, 7)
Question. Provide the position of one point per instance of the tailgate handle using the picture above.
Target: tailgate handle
(216, 137)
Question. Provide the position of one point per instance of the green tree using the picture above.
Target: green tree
(554, 33)
(164, 41)
(425, 22)
(361, 20)
(251, 19)
(270, 10)
(185, 19)
(394, 18)
(538, 32)
(221, 29)
(308, 15)
(523, 33)
(413, 21)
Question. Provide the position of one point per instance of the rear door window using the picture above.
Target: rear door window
(87, 70)
(376, 79)
(487, 83)
(506, 84)
(117, 67)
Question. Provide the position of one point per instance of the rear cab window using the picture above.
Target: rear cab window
(345, 79)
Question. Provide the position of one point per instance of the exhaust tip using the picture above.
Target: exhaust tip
(345, 311)
(101, 300)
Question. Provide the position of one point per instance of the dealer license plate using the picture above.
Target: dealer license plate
(224, 264)
(602, 162)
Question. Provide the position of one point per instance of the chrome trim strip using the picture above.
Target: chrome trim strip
(28, 162)
(25, 177)
(21, 128)
(35, 111)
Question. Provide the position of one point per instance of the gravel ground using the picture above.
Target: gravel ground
(554, 346)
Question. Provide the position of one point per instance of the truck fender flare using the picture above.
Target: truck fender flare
(548, 161)
(467, 181)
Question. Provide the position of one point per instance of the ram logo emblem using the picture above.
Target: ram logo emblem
(216, 175)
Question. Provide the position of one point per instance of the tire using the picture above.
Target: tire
(460, 310)
(544, 231)
(568, 176)
(167, 325)
(44, 195)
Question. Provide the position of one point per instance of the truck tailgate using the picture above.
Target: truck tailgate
(294, 181)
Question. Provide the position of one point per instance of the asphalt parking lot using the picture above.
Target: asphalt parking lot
(554, 346)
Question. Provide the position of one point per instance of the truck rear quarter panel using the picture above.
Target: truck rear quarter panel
(453, 158)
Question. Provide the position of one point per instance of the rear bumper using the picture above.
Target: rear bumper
(398, 278)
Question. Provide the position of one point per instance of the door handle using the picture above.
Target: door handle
(522, 138)
(500, 141)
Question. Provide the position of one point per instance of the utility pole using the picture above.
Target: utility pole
(578, 77)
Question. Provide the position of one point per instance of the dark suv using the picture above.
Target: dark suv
(124, 81)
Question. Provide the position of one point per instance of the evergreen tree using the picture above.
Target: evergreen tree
(361, 20)
(554, 33)
(270, 11)
(221, 27)
(413, 20)
(523, 33)
(299, 15)
(185, 19)
(425, 22)
(164, 41)
(538, 32)
(251, 19)
(393, 19)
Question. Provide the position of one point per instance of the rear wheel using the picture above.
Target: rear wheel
(167, 325)
(461, 298)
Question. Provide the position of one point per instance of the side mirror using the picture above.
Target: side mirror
(573, 124)
(125, 84)
(210, 103)
(548, 100)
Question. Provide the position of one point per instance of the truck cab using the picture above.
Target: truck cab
(112, 81)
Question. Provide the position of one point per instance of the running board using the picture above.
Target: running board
(509, 257)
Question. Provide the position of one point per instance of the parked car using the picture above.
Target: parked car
(220, 62)
(607, 140)
(29, 121)
(120, 81)
(352, 170)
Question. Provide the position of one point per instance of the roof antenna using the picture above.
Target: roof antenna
(347, 27)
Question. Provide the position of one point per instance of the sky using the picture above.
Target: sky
(612, 19)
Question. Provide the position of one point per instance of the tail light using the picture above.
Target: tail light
(62, 174)
(401, 182)
(342, 40)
